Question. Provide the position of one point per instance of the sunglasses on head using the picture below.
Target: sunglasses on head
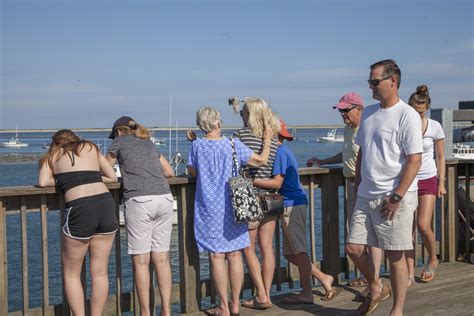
(347, 110)
(376, 82)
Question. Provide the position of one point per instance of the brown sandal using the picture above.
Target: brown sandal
(255, 304)
(331, 294)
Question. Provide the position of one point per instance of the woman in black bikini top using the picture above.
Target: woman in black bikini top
(89, 223)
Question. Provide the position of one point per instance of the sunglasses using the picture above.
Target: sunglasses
(376, 82)
(347, 110)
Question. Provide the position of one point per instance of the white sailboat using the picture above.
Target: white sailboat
(14, 142)
(331, 137)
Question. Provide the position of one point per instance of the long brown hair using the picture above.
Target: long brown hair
(66, 140)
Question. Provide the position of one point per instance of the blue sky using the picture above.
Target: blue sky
(75, 64)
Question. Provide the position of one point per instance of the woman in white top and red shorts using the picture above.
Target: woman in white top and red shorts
(431, 180)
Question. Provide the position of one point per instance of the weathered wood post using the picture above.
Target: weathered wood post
(190, 286)
(445, 118)
(330, 224)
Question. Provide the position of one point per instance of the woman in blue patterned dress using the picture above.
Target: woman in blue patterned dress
(210, 160)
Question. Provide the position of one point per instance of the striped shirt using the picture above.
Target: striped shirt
(256, 144)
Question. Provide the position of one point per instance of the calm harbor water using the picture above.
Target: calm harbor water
(19, 167)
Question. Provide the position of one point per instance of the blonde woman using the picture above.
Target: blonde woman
(79, 170)
(148, 207)
(255, 115)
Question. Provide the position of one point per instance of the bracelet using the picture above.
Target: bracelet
(442, 179)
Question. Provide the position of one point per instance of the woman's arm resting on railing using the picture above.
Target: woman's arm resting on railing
(111, 159)
(166, 167)
(108, 173)
(45, 177)
(273, 183)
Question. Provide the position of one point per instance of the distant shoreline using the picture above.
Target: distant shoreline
(6, 158)
(158, 129)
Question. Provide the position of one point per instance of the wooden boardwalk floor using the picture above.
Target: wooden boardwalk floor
(450, 293)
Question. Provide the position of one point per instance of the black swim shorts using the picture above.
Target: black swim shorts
(90, 215)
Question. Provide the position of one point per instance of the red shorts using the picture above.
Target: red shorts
(428, 186)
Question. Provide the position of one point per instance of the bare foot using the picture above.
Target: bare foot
(327, 282)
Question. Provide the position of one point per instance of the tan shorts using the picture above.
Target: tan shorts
(267, 218)
(293, 221)
(368, 227)
(149, 221)
(351, 198)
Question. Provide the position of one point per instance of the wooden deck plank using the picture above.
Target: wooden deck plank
(450, 293)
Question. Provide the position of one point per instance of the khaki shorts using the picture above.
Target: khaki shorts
(293, 221)
(149, 221)
(351, 198)
(368, 227)
(267, 218)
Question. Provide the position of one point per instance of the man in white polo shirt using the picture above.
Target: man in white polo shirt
(389, 158)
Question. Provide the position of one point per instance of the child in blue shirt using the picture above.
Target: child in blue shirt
(286, 179)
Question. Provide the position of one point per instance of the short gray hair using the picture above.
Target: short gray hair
(208, 118)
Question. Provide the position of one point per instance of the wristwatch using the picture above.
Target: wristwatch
(396, 197)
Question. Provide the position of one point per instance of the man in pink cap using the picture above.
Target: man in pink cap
(350, 107)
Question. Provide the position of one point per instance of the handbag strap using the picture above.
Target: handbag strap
(234, 159)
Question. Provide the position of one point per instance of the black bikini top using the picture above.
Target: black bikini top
(68, 180)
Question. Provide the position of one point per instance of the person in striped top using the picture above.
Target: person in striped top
(255, 115)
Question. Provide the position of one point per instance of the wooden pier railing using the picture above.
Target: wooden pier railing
(325, 192)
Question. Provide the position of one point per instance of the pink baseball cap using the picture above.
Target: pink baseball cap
(349, 99)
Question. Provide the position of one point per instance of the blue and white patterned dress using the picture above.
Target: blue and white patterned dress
(214, 226)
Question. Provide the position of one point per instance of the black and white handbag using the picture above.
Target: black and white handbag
(245, 202)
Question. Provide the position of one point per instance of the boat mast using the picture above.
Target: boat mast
(169, 136)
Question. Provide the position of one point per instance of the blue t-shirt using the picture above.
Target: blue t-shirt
(286, 165)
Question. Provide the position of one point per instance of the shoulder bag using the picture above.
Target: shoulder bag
(245, 202)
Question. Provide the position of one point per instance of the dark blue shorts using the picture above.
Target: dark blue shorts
(90, 215)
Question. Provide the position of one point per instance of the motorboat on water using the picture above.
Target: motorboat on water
(331, 137)
(462, 151)
(14, 142)
(158, 141)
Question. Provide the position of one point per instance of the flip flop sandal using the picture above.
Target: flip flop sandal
(331, 294)
(255, 304)
(427, 270)
(359, 282)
